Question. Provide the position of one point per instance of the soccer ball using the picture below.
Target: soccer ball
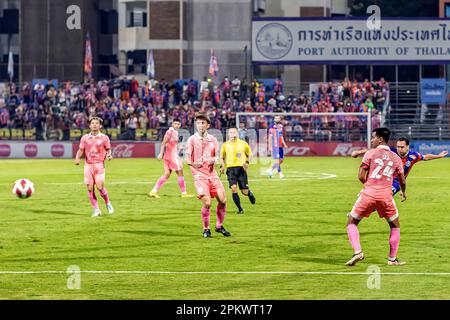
(23, 188)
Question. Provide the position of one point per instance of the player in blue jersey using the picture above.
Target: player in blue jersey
(409, 158)
(276, 145)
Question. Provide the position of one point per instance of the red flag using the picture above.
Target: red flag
(213, 65)
(88, 57)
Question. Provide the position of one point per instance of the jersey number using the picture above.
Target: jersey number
(387, 172)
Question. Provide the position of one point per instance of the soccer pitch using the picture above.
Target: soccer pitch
(291, 245)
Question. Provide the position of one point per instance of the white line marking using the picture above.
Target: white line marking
(228, 273)
(151, 181)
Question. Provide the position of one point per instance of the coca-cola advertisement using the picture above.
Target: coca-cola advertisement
(35, 150)
(127, 149)
(326, 149)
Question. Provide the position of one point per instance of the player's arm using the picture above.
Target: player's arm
(223, 154)
(108, 150)
(249, 154)
(80, 153)
(356, 154)
(363, 172)
(163, 147)
(429, 157)
(283, 143)
(109, 154)
(402, 182)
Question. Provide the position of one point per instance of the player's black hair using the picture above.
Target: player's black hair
(383, 133)
(176, 120)
(202, 116)
(96, 118)
(404, 139)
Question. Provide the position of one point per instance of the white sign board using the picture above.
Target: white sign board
(350, 41)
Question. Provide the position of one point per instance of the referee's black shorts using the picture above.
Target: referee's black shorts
(237, 175)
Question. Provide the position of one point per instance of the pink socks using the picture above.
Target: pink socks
(160, 183)
(182, 184)
(104, 194)
(220, 211)
(93, 199)
(394, 241)
(205, 217)
(353, 236)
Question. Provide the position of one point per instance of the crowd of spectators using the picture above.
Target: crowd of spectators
(126, 104)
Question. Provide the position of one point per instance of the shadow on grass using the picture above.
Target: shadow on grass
(63, 212)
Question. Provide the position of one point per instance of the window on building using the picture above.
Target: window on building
(109, 21)
(9, 23)
(137, 61)
(137, 14)
(384, 71)
(447, 10)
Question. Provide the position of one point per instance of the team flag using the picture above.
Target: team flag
(11, 66)
(88, 57)
(151, 66)
(213, 65)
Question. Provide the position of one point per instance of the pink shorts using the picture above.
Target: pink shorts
(364, 206)
(94, 173)
(172, 164)
(209, 187)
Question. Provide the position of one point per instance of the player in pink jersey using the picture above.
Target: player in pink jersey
(202, 153)
(376, 173)
(97, 148)
(169, 152)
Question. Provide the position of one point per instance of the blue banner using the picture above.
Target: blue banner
(430, 146)
(433, 90)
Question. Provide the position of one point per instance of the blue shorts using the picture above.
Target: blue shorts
(395, 187)
(278, 153)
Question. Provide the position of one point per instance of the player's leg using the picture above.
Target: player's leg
(206, 213)
(104, 194)
(89, 180)
(280, 161)
(161, 181)
(221, 209)
(275, 164)
(390, 212)
(182, 184)
(202, 188)
(93, 200)
(232, 182)
(236, 199)
(243, 185)
(363, 208)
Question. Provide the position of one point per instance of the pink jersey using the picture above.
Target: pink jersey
(382, 164)
(95, 147)
(203, 151)
(171, 151)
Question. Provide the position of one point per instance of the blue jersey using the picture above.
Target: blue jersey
(276, 131)
(408, 162)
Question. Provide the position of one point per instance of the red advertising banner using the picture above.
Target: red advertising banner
(127, 149)
(327, 149)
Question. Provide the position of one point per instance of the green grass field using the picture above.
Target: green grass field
(297, 226)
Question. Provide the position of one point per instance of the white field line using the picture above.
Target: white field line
(295, 177)
(294, 273)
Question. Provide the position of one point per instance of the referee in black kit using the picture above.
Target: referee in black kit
(236, 155)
